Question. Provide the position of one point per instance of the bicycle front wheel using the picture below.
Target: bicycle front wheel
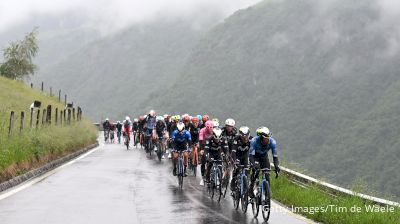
(244, 194)
(266, 201)
(219, 184)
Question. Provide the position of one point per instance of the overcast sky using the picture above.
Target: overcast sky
(113, 13)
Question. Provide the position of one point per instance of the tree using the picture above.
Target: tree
(18, 57)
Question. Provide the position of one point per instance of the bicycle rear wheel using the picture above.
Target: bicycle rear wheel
(255, 205)
(219, 185)
(266, 201)
(244, 195)
(236, 195)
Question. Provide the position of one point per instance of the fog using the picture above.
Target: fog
(108, 16)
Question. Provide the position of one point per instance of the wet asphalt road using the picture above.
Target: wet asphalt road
(115, 185)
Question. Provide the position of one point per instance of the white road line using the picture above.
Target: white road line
(27, 184)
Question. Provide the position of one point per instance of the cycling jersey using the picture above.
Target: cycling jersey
(181, 139)
(256, 147)
(160, 128)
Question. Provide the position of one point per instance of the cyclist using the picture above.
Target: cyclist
(240, 151)
(186, 122)
(112, 131)
(141, 127)
(259, 147)
(106, 128)
(160, 129)
(215, 148)
(194, 133)
(204, 119)
(205, 134)
(181, 139)
(229, 132)
(135, 128)
(119, 130)
(127, 127)
(150, 125)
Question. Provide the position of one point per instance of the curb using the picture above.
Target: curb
(43, 169)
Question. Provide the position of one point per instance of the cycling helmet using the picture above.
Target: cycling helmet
(230, 122)
(127, 118)
(141, 118)
(215, 120)
(244, 131)
(152, 113)
(186, 119)
(209, 124)
(180, 127)
(258, 131)
(177, 117)
(217, 133)
(199, 117)
(159, 118)
(195, 120)
(264, 132)
(216, 124)
(165, 116)
(118, 122)
(135, 120)
(106, 119)
(205, 118)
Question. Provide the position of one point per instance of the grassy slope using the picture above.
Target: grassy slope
(341, 206)
(33, 147)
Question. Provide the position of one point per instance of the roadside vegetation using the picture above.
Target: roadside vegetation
(312, 202)
(24, 150)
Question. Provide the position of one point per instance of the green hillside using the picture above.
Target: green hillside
(323, 76)
(30, 148)
(114, 75)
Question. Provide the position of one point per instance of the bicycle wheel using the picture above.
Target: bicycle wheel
(244, 194)
(159, 150)
(266, 201)
(211, 185)
(256, 205)
(219, 184)
(181, 173)
(236, 194)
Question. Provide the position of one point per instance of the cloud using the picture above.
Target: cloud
(115, 14)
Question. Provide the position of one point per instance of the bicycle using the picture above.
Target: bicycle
(240, 193)
(126, 140)
(112, 135)
(215, 179)
(119, 137)
(106, 135)
(226, 173)
(160, 147)
(263, 193)
(194, 160)
(180, 169)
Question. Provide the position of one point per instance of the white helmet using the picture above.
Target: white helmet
(165, 116)
(264, 132)
(244, 131)
(106, 119)
(216, 124)
(217, 132)
(152, 113)
(127, 118)
(230, 122)
(135, 120)
(118, 122)
(180, 126)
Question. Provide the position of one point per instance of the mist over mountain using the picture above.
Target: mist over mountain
(323, 76)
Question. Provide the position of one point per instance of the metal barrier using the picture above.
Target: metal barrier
(330, 188)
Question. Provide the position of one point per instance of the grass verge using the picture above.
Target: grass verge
(322, 207)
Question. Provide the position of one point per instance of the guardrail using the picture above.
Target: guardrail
(330, 188)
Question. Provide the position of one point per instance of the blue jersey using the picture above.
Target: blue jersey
(257, 148)
(180, 140)
(151, 122)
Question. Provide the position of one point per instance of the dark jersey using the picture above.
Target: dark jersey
(119, 127)
(160, 128)
(194, 132)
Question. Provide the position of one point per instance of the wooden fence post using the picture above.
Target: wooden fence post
(65, 99)
(59, 95)
(69, 116)
(56, 120)
(10, 127)
(65, 116)
(48, 117)
(22, 121)
(73, 114)
(51, 91)
(31, 85)
(31, 121)
(61, 117)
(43, 116)
(42, 86)
(37, 118)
